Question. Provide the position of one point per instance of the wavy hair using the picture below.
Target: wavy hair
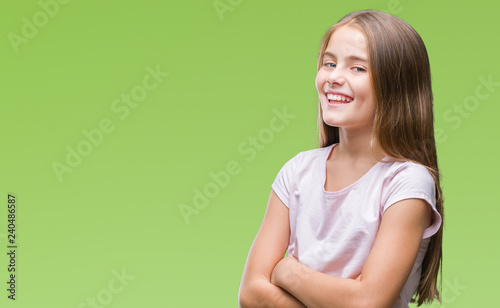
(403, 126)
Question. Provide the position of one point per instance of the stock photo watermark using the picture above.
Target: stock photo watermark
(248, 149)
(31, 26)
(121, 107)
(395, 7)
(471, 103)
(11, 245)
(223, 7)
(105, 296)
(451, 291)
(463, 110)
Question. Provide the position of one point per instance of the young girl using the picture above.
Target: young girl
(360, 217)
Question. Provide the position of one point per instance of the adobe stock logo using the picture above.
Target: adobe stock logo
(31, 26)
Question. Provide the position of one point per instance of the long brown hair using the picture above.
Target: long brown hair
(403, 125)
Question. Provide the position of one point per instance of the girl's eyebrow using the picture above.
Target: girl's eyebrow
(350, 58)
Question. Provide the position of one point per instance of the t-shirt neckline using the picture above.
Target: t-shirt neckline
(347, 188)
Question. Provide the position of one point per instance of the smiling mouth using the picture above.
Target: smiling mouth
(338, 99)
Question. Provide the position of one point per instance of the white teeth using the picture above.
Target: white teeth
(338, 98)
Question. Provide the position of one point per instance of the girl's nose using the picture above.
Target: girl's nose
(336, 76)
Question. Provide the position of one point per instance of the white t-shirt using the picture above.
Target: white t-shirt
(333, 232)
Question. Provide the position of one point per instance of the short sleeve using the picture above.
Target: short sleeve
(411, 180)
(283, 182)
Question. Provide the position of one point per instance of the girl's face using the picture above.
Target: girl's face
(343, 82)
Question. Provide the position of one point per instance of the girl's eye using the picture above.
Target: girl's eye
(329, 64)
(359, 69)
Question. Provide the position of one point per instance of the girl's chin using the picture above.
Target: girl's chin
(332, 123)
(331, 120)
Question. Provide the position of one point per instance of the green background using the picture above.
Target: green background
(229, 74)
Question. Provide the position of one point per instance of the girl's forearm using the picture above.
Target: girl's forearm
(262, 294)
(316, 289)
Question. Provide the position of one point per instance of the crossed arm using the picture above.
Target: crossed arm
(269, 280)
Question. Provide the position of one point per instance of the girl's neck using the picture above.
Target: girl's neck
(356, 146)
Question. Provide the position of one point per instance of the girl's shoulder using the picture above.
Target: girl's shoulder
(407, 172)
(398, 166)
